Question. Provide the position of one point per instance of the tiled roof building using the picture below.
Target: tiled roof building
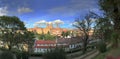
(45, 45)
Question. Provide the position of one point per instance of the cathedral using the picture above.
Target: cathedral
(49, 29)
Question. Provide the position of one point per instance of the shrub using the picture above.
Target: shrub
(101, 46)
(17, 53)
(7, 55)
(25, 55)
(36, 54)
(55, 54)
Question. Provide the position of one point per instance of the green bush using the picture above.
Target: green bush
(36, 54)
(17, 53)
(55, 54)
(3, 49)
(7, 55)
(101, 46)
(25, 55)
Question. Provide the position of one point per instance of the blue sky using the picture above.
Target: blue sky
(32, 11)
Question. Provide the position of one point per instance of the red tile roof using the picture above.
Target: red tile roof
(45, 42)
(44, 46)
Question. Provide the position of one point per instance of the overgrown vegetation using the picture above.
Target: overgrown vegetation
(55, 54)
(7, 55)
(101, 46)
(110, 27)
(14, 34)
(45, 36)
(112, 12)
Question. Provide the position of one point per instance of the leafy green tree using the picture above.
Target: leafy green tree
(112, 11)
(47, 36)
(65, 34)
(9, 27)
(14, 32)
(28, 39)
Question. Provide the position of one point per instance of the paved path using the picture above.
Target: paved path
(92, 56)
(88, 55)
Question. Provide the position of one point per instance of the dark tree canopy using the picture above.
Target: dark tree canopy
(111, 10)
(13, 23)
(14, 32)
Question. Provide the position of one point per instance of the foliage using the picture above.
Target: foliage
(7, 55)
(25, 55)
(17, 53)
(55, 54)
(101, 46)
(113, 37)
(9, 27)
(103, 29)
(65, 34)
(45, 36)
(14, 34)
(28, 39)
(112, 11)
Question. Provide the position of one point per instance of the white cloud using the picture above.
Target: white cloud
(24, 10)
(40, 23)
(58, 21)
(3, 11)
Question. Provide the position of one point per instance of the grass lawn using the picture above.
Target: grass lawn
(111, 52)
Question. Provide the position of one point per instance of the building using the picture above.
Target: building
(41, 46)
(49, 28)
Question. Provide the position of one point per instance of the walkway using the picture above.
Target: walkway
(88, 55)
(91, 54)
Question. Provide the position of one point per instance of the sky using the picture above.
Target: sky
(34, 11)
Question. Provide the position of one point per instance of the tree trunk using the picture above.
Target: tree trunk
(84, 47)
(85, 42)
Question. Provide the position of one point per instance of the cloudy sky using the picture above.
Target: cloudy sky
(33, 11)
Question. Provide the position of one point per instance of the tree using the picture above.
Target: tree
(47, 36)
(84, 26)
(65, 34)
(29, 40)
(111, 10)
(9, 27)
(103, 29)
